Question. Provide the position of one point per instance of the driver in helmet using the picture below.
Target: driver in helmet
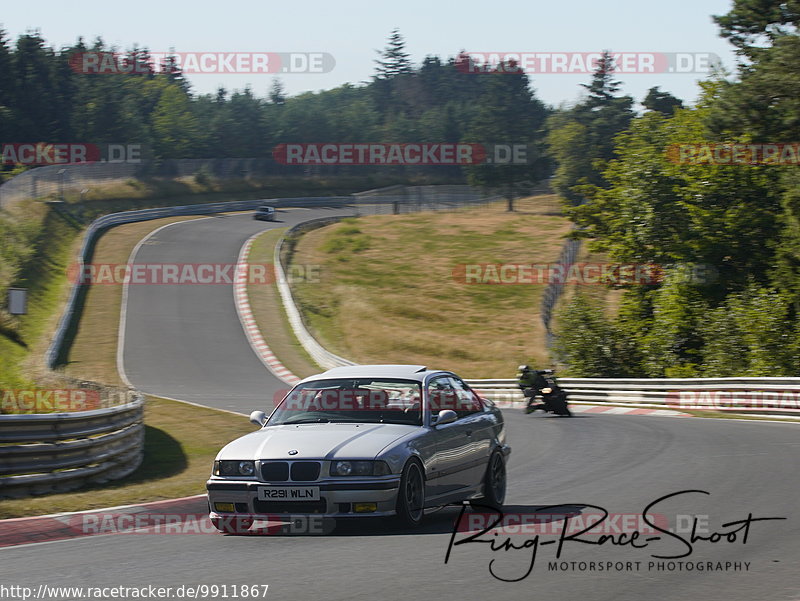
(532, 383)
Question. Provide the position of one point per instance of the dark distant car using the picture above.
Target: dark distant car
(264, 213)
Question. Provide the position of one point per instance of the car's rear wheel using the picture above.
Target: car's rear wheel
(411, 496)
(494, 483)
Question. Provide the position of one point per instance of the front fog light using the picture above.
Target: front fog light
(224, 507)
(365, 507)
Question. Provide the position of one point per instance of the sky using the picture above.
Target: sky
(349, 32)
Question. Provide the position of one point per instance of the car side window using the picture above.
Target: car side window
(467, 401)
(441, 395)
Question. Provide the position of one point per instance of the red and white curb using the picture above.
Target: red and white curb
(63, 526)
(626, 411)
(251, 330)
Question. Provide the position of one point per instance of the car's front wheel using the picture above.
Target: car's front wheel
(494, 483)
(411, 496)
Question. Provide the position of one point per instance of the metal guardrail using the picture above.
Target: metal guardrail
(780, 396)
(400, 199)
(70, 449)
(554, 290)
(58, 181)
(102, 223)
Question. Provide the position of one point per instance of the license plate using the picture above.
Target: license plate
(288, 493)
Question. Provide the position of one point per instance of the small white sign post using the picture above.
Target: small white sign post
(18, 301)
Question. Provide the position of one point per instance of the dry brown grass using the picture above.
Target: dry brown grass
(388, 294)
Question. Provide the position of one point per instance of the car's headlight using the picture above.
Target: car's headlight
(234, 468)
(359, 468)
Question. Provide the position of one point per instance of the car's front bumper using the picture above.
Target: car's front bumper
(337, 497)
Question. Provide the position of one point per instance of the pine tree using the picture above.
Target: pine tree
(7, 83)
(33, 98)
(508, 114)
(394, 59)
(138, 61)
(581, 139)
(171, 69)
(7, 90)
(663, 102)
(277, 94)
(603, 85)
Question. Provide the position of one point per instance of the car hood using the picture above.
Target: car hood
(316, 441)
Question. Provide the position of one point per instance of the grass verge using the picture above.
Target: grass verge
(177, 462)
(389, 290)
(24, 339)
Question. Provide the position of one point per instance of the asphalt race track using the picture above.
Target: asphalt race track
(186, 342)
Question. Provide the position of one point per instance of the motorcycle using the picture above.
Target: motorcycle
(554, 399)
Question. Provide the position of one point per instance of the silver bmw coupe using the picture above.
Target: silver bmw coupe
(364, 440)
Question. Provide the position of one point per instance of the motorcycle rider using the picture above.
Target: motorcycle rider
(531, 382)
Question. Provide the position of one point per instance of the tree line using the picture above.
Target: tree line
(43, 98)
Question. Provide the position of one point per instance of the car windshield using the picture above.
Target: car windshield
(351, 400)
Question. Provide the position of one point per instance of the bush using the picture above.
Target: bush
(203, 177)
(752, 334)
(591, 345)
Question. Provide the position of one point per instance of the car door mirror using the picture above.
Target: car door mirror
(445, 416)
(258, 418)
